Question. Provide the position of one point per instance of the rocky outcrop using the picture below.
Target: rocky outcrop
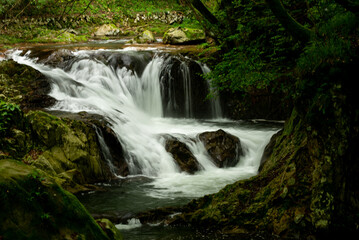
(67, 145)
(107, 135)
(182, 155)
(224, 148)
(64, 148)
(184, 36)
(33, 206)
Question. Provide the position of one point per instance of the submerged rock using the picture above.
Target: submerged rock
(224, 148)
(184, 36)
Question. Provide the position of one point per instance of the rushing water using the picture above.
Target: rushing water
(137, 93)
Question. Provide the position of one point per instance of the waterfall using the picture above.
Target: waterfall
(105, 150)
(216, 109)
(145, 95)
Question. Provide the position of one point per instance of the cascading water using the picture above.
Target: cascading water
(145, 95)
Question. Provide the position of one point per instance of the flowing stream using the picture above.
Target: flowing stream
(139, 94)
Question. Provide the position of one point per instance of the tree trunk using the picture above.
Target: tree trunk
(297, 30)
(203, 10)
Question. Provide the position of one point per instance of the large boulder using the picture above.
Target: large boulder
(184, 36)
(182, 155)
(224, 148)
(107, 30)
(108, 141)
(145, 37)
(67, 144)
(33, 206)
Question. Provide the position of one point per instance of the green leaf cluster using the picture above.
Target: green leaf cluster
(8, 114)
(256, 48)
(258, 52)
(334, 43)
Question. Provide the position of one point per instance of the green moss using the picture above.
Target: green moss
(34, 207)
(58, 36)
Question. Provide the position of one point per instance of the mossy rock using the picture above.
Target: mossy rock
(33, 206)
(184, 36)
(56, 36)
(109, 228)
(67, 144)
(107, 30)
(145, 37)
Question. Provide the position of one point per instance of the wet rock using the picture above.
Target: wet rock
(224, 148)
(157, 215)
(184, 36)
(109, 228)
(67, 144)
(109, 136)
(60, 58)
(269, 149)
(182, 155)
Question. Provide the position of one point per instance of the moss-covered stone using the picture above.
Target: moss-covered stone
(33, 206)
(183, 36)
(109, 228)
(67, 145)
(107, 30)
(145, 37)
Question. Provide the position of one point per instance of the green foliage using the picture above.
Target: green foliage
(8, 114)
(333, 45)
(324, 52)
(241, 70)
(256, 48)
(16, 8)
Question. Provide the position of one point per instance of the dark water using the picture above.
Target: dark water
(126, 197)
